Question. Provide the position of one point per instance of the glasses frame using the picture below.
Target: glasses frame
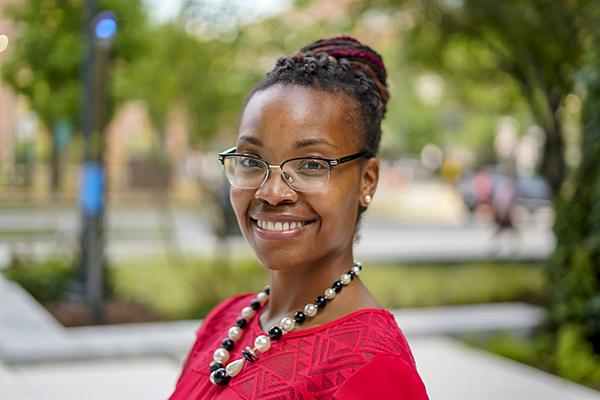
(331, 162)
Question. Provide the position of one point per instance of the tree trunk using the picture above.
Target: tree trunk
(55, 168)
(553, 163)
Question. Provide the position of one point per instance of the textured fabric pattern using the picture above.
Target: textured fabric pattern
(307, 364)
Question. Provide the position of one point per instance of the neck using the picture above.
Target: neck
(291, 290)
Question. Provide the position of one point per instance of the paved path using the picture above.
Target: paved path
(138, 233)
(453, 371)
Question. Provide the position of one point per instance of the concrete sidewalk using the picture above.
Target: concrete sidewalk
(453, 371)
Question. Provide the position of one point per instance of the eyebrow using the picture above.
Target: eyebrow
(298, 145)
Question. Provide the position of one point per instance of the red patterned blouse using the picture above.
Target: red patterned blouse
(363, 355)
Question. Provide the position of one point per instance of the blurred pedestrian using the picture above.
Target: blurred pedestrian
(503, 202)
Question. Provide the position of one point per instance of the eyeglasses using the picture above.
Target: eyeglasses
(303, 174)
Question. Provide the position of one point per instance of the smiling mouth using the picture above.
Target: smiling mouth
(280, 226)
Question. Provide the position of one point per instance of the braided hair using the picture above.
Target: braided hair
(344, 64)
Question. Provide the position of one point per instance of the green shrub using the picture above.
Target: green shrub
(46, 280)
(192, 288)
(453, 284)
(575, 359)
(187, 290)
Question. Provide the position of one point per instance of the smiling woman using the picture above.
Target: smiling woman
(303, 171)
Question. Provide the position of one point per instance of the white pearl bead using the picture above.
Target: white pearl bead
(287, 324)
(247, 312)
(262, 343)
(310, 310)
(356, 271)
(357, 264)
(234, 367)
(329, 293)
(345, 279)
(235, 333)
(262, 297)
(221, 355)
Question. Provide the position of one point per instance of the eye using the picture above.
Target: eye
(312, 165)
(249, 162)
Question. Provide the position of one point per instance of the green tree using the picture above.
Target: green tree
(538, 44)
(575, 267)
(46, 64)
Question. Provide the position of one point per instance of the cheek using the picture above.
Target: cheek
(338, 210)
(240, 200)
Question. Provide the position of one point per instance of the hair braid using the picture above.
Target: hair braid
(339, 63)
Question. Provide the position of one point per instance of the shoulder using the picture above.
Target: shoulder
(389, 369)
(385, 376)
(377, 333)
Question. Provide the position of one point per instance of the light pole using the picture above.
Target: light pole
(103, 31)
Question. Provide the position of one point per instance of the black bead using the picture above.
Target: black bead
(255, 305)
(352, 274)
(228, 344)
(248, 355)
(320, 302)
(299, 317)
(337, 286)
(215, 366)
(275, 333)
(220, 377)
(241, 322)
(267, 290)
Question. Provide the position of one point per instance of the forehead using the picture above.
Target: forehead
(284, 115)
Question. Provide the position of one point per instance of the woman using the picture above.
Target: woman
(303, 171)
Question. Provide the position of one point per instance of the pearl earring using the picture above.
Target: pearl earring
(367, 198)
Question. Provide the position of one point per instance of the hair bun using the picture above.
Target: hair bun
(351, 53)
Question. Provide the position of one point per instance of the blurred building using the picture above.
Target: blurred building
(8, 101)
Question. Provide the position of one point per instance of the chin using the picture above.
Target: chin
(281, 259)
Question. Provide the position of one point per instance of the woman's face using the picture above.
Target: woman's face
(286, 121)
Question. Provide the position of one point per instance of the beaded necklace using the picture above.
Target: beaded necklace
(222, 372)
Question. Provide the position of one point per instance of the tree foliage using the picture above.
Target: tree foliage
(538, 44)
(575, 267)
(46, 65)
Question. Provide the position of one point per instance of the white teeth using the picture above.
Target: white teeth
(279, 226)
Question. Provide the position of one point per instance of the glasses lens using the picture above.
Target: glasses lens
(306, 174)
(245, 172)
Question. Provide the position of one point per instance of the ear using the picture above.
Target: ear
(369, 179)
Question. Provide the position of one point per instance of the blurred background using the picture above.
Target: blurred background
(116, 232)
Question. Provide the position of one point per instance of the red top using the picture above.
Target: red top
(363, 355)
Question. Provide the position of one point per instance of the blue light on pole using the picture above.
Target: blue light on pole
(105, 26)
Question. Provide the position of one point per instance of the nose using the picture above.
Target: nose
(275, 190)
